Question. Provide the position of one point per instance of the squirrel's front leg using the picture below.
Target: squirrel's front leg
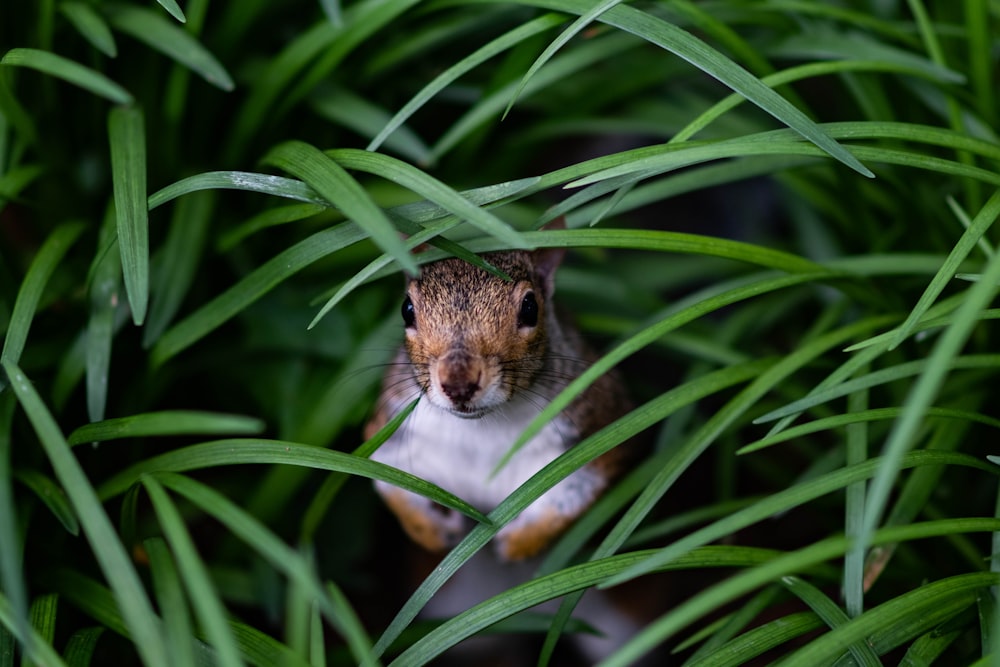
(433, 526)
(546, 518)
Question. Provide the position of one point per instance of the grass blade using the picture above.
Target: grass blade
(30, 293)
(336, 186)
(223, 307)
(430, 188)
(11, 548)
(174, 9)
(177, 264)
(105, 285)
(160, 34)
(129, 593)
(688, 47)
(80, 647)
(69, 71)
(982, 222)
(276, 552)
(164, 423)
(126, 130)
(564, 37)
(924, 391)
(484, 53)
(194, 574)
(244, 451)
(91, 25)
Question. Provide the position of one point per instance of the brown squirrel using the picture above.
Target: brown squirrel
(486, 355)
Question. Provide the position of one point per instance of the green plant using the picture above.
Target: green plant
(205, 210)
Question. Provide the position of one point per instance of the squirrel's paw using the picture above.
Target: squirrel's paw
(529, 534)
(430, 525)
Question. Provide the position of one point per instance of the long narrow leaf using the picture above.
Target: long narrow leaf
(337, 187)
(30, 292)
(157, 32)
(141, 619)
(126, 130)
(205, 600)
(67, 70)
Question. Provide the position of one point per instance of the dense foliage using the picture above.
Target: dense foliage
(782, 219)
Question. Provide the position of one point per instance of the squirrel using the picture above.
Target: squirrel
(486, 355)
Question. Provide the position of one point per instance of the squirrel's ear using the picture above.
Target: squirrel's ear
(547, 260)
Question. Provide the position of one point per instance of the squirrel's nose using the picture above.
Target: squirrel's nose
(461, 391)
(459, 376)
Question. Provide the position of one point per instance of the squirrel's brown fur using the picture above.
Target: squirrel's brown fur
(486, 355)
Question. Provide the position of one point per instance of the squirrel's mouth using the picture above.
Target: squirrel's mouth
(467, 411)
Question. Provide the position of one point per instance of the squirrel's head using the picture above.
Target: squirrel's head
(474, 338)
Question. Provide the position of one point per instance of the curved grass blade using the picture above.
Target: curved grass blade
(175, 267)
(52, 496)
(980, 225)
(875, 378)
(331, 485)
(484, 53)
(167, 422)
(759, 640)
(194, 574)
(126, 131)
(129, 593)
(44, 610)
(11, 550)
(240, 451)
(69, 71)
(426, 234)
(105, 277)
(688, 47)
(80, 647)
(346, 108)
(875, 414)
(30, 293)
(564, 37)
(173, 9)
(277, 186)
(430, 188)
(168, 591)
(796, 73)
(223, 307)
(832, 615)
(267, 218)
(160, 34)
(91, 25)
(336, 186)
(562, 67)
(334, 607)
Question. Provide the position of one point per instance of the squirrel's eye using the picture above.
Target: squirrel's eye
(528, 316)
(409, 316)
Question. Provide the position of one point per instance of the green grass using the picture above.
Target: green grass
(781, 222)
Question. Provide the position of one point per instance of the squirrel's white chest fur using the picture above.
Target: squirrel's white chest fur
(460, 455)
